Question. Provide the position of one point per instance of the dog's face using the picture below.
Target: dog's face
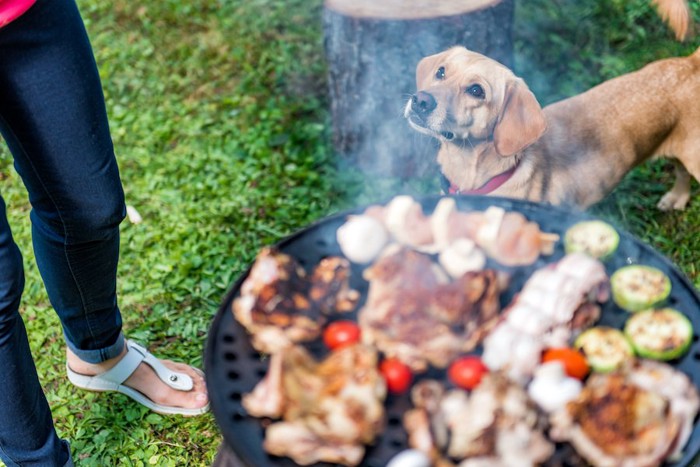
(468, 99)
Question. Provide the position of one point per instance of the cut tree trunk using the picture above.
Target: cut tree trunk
(373, 47)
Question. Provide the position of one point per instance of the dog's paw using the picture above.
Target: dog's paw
(672, 200)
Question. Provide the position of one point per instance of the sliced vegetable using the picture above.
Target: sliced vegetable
(574, 362)
(663, 334)
(466, 372)
(595, 238)
(398, 376)
(638, 287)
(341, 333)
(605, 348)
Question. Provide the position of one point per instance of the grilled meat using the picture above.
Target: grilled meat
(279, 304)
(415, 313)
(638, 416)
(329, 409)
(330, 287)
(495, 425)
(544, 314)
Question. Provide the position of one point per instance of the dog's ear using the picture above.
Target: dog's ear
(521, 121)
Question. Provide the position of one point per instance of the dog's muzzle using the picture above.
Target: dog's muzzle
(423, 103)
(421, 106)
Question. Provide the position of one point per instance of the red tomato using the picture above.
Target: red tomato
(398, 376)
(341, 333)
(466, 372)
(575, 363)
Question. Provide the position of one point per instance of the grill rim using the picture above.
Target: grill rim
(240, 430)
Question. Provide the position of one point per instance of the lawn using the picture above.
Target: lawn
(219, 116)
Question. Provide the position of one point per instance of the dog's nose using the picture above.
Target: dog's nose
(423, 103)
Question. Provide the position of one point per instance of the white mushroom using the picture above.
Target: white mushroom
(409, 458)
(362, 238)
(462, 256)
(551, 388)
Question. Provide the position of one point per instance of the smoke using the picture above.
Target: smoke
(372, 65)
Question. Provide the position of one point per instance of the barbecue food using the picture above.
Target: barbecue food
(329, 409)
(279, 304)
(636, 417)
(429, 301)
(362, 238)
(555, 302)
(595, 238)
(638, 287)
(415, 313)
(605, 348)
(495, 425)
(507, 237)
(664, 334)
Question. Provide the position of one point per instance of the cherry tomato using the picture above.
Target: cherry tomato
(398, 375)
(466, 372)
(341, 333)
(575, 363)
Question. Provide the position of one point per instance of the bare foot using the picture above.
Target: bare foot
(145, 380)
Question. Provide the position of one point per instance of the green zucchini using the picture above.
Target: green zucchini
(663, 334)
(605, 348)
(638, 287)
(594, 238)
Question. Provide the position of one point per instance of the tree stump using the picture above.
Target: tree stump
(372, 48)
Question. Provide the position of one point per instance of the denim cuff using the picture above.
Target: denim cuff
(69, 462)
(99, 355)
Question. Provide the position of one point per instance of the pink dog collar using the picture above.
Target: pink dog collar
(10, 10)
(488, 187)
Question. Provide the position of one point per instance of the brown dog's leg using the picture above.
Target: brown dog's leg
(679, 195)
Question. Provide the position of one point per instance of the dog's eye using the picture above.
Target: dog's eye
(476, 91)
(440, 73)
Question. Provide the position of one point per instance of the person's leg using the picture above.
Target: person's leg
(56, 128)
(27, 435)
(55, 123)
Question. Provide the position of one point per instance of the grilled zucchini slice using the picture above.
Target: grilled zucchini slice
(664, 334)
(594, 238)
(605, 348)
(638, 287)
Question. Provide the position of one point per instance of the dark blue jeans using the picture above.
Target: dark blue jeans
(53, 118)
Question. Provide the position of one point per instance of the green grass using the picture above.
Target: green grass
(219, 115)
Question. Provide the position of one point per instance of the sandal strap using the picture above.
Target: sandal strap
(133, 358)
(174, 379)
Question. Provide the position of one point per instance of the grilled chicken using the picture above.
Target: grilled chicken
(330, 286)
(329, 409)
(636, 417)
(494, 425)
(415, 313)
(279, 304)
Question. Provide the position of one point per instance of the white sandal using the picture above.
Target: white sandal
(112, 379)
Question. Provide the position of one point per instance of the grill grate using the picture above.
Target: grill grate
(233, 367)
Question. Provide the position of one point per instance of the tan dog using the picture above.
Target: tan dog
(676, 13)
(495, 138)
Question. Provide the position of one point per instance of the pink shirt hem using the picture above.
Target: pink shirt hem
(10, 10)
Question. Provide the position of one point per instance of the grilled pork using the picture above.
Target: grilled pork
(545, 314)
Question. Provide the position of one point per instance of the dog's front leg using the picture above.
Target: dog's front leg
(679, 195)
